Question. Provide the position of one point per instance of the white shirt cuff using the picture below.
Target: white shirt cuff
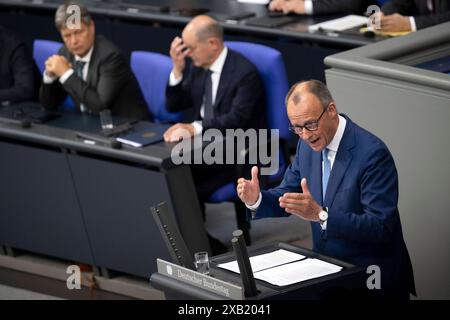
(309, 7)
(198, 127)
(255, 206)
(412, 22)
(47, 79)
(173, 81)
(65, 76)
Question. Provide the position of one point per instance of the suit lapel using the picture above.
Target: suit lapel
(341, 163)
(92, 74)
(225, 78)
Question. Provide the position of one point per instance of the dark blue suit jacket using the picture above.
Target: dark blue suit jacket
(363, 226)
(240, 98)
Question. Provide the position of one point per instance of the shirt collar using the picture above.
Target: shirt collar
(334, 144)
(217, 66)
(87, 57)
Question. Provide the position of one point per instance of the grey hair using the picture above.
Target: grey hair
(212, 29)
(62, 14)
(315, 87)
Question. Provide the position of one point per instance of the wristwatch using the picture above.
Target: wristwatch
(323, 217)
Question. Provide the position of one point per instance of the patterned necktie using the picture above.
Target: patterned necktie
(326, 172)
(208, 106)
(79, 65)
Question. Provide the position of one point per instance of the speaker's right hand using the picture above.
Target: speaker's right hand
(248, 190)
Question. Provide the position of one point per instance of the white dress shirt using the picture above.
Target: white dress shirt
(216, 69)
(332, 147)
(309, 7)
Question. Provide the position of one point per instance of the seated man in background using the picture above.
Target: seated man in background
(19, 76)
(316, 7)
(412, 15)
(91, 70)
(344, 181)
(217, 88)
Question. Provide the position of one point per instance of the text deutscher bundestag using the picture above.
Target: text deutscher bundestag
(203, 282)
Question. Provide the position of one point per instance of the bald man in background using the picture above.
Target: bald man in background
(217, 88)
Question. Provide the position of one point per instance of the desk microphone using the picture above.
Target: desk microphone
(113, 143)
(245, 268)
(23, 123)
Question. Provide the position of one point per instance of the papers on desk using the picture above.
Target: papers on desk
(340, 24)
(298, 271)
(282, 267)
(265, 261)
(264, 2)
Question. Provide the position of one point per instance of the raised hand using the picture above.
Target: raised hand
(178, 53)
(248, 190)
(302, 204)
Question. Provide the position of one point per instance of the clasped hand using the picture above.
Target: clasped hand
(56, 66)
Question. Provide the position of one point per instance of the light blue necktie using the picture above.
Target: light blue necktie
(326, 172)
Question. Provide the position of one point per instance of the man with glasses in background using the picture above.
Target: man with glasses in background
(344, 180)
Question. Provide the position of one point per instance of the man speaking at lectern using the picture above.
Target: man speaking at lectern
(344, 180)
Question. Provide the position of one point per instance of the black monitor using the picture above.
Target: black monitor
(172, 237)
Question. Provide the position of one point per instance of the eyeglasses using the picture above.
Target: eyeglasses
(310, 126)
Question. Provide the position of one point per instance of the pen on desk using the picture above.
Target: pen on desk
(332, 34)
(88, 141)
(92, 140)
(329, 33)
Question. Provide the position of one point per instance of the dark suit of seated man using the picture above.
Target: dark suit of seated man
(91, 70)
(344, 180)
(412, 15)
(317, 7)
(19, 76)
(220, 89)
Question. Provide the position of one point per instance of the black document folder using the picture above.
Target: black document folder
(144, 133)
(271, 22)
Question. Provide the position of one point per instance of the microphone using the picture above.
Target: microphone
(245, 268)
(90, 139)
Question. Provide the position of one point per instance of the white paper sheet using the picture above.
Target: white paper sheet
(265, 261)
(264, 2)
(340, 24)
(297, 271)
